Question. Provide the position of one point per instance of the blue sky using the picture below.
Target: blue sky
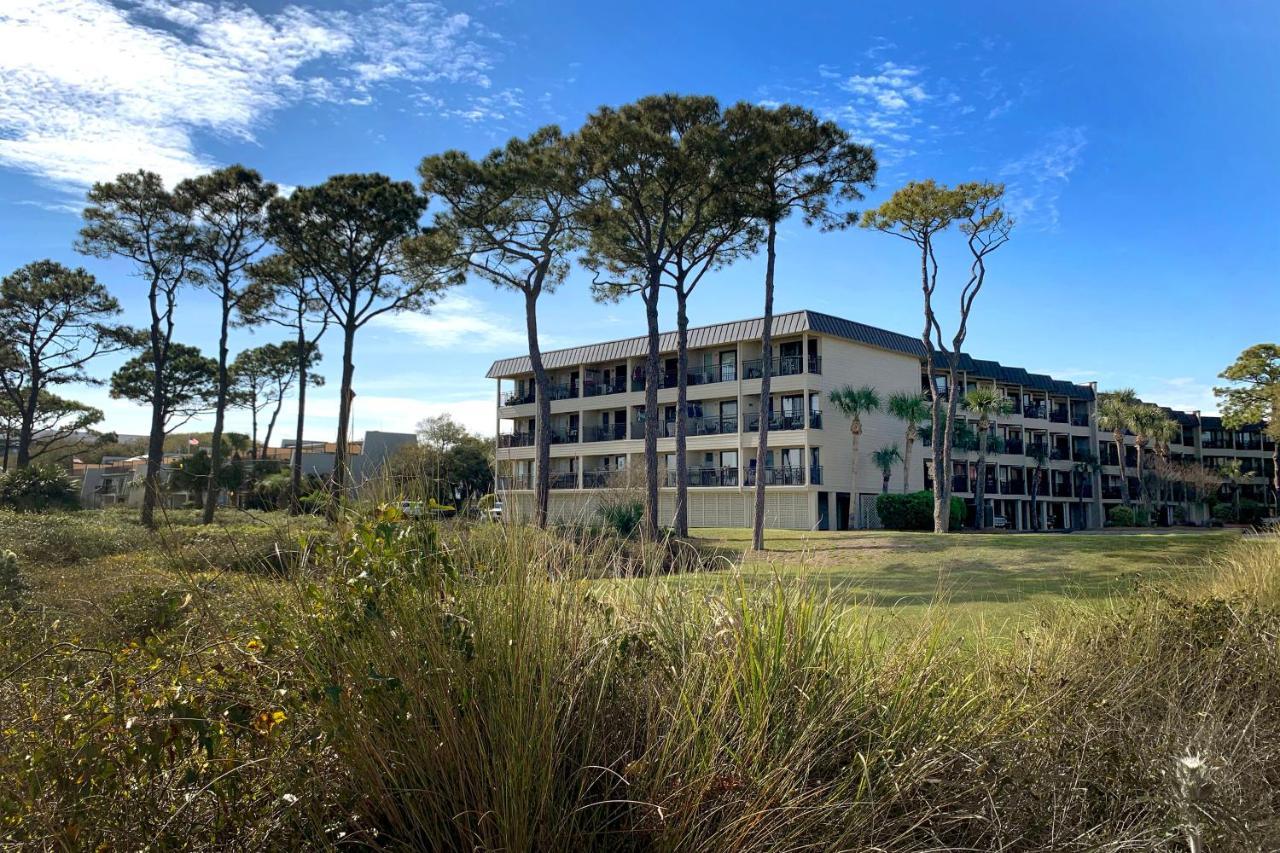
(1138, 141)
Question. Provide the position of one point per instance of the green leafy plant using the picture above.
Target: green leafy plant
(622, 517)
(1120, 516)
(37, 489)
(914, 511)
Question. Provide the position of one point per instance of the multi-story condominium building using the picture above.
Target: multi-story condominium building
(598, 412)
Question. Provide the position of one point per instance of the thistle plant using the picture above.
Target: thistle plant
(1194, 778)
(12, 589)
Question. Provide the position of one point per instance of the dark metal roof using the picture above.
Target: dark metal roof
(790, 323)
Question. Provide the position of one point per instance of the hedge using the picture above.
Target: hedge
(914, 511)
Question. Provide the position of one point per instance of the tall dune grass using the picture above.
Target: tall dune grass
(504, 705)
(403, 685)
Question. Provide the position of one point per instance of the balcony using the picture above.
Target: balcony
(1085, 490)
(786, 365)
(815, 475)
(562, 392)
(591, 388)
(777, 421)
(1112, 493)
(601, 478)
(1035, 448)
(564, 435)
(815, 420)
(518, 481)
(1080, 420)
(815, 364)
(1062, 489)
(564, 480)
(1013, 487)
(1060, 416)
(1060, 454)
(611, 432)
(707, 477)
(1013, 445)
(1035, 410)
(959, 483)
(713, 374)
(516, 439)
(779, 477)
(709, 426)
(518, 398)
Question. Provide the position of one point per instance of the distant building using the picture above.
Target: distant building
(118, 480)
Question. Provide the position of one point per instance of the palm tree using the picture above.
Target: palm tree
(1161, 431)
(988, 404)
(913, 410)
(1085, 468)
(885, 458)
(1236, 477)
(853, 403)
(1144, 421)
(1039, 455)
(1113, 415)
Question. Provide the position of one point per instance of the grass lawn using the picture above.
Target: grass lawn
(996, 580)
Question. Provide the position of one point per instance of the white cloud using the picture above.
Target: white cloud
(1036, 180)
(92, 88)
(461, 324)
(892, 88)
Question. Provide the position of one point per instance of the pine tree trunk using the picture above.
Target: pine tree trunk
(542, 423)
(295, 461)
(682, 423)
(155, 439)
(27, 423)
(651, 419)
(219, 414)
(338, 479)
(766, 373)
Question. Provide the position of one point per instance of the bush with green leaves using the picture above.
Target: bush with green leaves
(914, 511)
(38, 488)
(622, 516)
(1120, 516)
(1224, 512)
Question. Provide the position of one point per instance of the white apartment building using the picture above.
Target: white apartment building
(597, 428)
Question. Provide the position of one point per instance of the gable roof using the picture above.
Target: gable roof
(789, 323)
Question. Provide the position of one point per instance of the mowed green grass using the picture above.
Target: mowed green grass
(996, 581)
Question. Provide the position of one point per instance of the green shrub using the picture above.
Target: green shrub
(1120, 516)
(38, 488)
(622, 517)
(1251, 512)
(1224, 512)
(914, 511)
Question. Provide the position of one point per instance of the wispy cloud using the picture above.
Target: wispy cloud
(884, 103)
(893, 87)
(92, 88)
(1036, 180)
(462, 324)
